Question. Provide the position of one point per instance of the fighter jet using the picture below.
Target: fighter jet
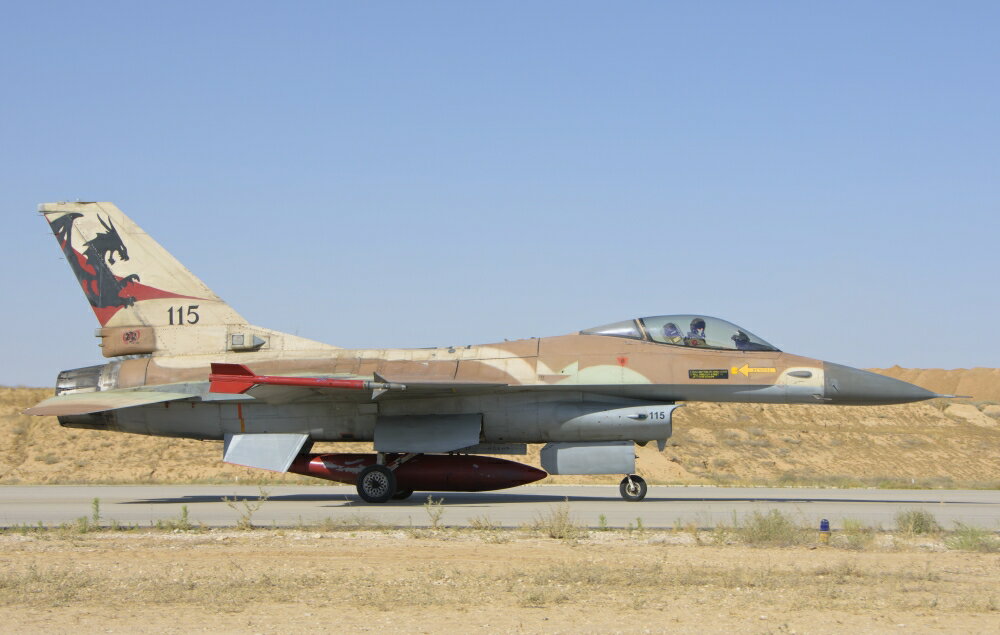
(183, 363)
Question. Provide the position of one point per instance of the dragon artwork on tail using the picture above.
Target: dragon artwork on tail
(93, 268)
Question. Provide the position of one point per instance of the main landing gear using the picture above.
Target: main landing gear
(377, 483)
(632, 488)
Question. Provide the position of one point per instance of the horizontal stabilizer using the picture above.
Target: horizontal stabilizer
(273, 452)
(88, 402)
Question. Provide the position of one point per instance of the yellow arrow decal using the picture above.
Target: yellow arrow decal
(746, 370)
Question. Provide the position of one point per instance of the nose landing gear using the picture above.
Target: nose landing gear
(632, 488)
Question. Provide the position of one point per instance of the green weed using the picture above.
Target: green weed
(771, 529)
(854, 535)
(557, 523)
(916, 522)
(246, 509)
(483, 523)
(966, 538)
(434, 511)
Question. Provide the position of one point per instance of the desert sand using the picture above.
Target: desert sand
(445, 582)
(940, 443)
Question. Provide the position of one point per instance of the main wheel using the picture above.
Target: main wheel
(632, 488)
(402, 494)
(376, 484)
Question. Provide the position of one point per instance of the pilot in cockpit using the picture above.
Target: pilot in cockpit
(696, 336)
(743, 342)
(672, 334)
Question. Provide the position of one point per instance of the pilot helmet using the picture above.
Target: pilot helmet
(697, 324)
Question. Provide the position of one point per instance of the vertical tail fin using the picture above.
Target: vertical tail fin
(128, 278)
(145, 300)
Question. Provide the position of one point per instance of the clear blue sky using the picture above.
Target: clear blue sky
(416, 174)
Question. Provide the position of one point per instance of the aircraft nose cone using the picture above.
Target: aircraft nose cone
(853, 387)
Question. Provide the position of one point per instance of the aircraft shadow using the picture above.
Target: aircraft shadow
(490, 498)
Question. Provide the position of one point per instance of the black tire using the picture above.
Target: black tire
(376, 484)
(632, 488)
(402, 494)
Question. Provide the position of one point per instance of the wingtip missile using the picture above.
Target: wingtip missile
(238, 379)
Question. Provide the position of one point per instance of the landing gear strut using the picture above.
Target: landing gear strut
(632, 488)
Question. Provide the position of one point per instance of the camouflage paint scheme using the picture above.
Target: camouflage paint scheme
(162, 328)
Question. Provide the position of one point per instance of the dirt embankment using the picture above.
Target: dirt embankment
(937, 443)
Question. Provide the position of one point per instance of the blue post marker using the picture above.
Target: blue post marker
(824, 531)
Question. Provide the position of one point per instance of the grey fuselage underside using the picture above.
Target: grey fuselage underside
(514, 415)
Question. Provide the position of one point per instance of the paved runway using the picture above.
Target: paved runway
(663, 507)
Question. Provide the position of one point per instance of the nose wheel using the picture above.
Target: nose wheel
(633, 488)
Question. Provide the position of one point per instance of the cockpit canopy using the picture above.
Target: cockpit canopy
(700, 331)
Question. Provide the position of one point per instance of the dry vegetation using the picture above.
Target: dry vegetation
(350, 577)
(762, 573)
(934, 444)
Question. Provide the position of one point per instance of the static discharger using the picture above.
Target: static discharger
(236, 379)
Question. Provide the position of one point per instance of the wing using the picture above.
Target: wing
(88, 402)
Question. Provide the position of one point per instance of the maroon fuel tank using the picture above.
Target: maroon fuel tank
(426, 472)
